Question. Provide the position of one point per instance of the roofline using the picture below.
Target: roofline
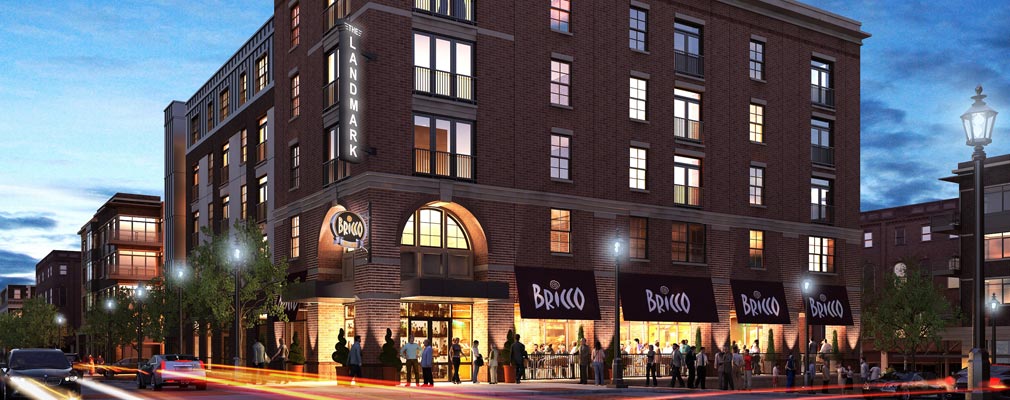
(807, 16)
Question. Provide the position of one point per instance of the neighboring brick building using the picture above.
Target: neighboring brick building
(58, 281)
(478, 140)
(12, 298)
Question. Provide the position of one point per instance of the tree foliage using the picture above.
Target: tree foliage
(770, 355)
(389, 356)
(117, 327)
(341, 352)
(296, 355)
(35, 326)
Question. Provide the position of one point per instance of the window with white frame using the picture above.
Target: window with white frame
(687, 114)
(637, 33)
(638, 99)
(821, 254)
(561, 83)
(295, 236)
(757, 123)
(867, 239)
(757, 184)
(927, 233)
(561, 11)
(637, 169)
(560, 156)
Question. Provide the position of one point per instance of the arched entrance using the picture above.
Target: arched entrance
(441, 240)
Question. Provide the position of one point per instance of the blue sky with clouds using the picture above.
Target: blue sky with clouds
(83, 85)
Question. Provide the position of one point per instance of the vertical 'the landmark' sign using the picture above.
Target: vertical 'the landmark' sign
(351, 126)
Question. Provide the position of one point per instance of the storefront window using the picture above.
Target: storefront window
(543, 332)
(666, 333)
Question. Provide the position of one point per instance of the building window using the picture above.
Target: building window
(196, 182)
(224, 101)
(210, 213)
(638, 238)
(261, 207)
(431, 228)
(194, 129)
(245, 202)
(899, 236)
(443, 67)
(63, 269)
(688, 241)
(295, 237)
(757, 249)
(225, 162)
(561, 231)
(428, 230)
(296, 102)
(821, 255)
(225, 209)
(867, 240)
(461, 10)
(443, 147)
(333, 168)
(210, 115)
(560, 156)
(687, 58)
(296, 30)
(757, 123)
(243, 88)
(638, 29)
(263, 135)
(686, 181)
(757, 60)
(244, 144)
(997, 199)
(821, 151)
(637, 168)
(821, 204)
(196, 228)
(687, 114)
(210, 169)
(262, 69)
(927, 233)
(757, 184)
(295, 162)
(997, 246)
(330, 93)
(561, 11)
(821, 92)
(639, 97)
(560, 83)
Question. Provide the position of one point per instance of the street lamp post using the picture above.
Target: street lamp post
(807, 286)
(180, 275)
(110, 306)
(618, 375)
(60, 322)
(978, 124)
(139, 294)
(993, 307)
(238, 258)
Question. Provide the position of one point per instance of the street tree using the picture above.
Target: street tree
(112, 327)
(34, 326)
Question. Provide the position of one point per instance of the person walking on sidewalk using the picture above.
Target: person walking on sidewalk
(354, 360)
(492, 365)
(597, 363)
(755, 353)
(748, 369)
(676, 363)
(282, 354)
(725, 362)
(455, 354)
(585, 358)
(775, 375)
(864, 370)
(259, 361)
(701, 364)
(790, 372)
(737, 367)
(409, 352)
(689, 360)
(519, 359)
(427, 362)
(650, 366)
(477, 361)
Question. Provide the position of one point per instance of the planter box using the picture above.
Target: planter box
(390, 376)
(341, 371)
(510, 373)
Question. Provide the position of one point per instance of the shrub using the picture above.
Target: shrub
(389, 357)
(296, 355)
(506, 353)
(341, 351)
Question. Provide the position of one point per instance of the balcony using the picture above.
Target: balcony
(335, 170)
(687, 129)
(822, 213)
(261, 211)
(137, 237)
(457, 10)
(822, 96)
(685, 195)
(689, 64)
(336, 12)
(330, 94)
(443, 84)
(440, 163)
(946, 223)
(822, 155)
(127, 271)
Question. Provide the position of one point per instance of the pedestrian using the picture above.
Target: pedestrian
(409, 352)
(455, 354)
(841, 375)
(91, 365)
(864, 370)
(700, 365)
(519, 358)
(477, 361)
(492, 364)
(849, 381)
(689, 361)
(775, 375)
(101, 364)
(874, 373)
(427, 362)
(748, 369)
(259, 360)
(574, 359)
(354, 360)
(790, 372)
(638, 346)
(809, 376)
(597, 364)
(755, 353)
(737, 368)
(676, 363)
(585, 358)
(726, 370)
(811, 350)
(282, 354)
(650, 366)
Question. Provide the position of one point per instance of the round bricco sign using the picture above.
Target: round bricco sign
(348, 229)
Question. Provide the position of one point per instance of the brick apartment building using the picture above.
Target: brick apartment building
(12, 298)
(58, 281)
(490, 155)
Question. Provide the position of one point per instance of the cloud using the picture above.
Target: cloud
(14, 264)
(11, 221)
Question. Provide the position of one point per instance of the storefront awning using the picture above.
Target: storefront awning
(760, 302)
(828, 305)
(453, 288)
(667, 298)
(548, 293)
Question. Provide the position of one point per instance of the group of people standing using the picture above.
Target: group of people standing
(412, 353)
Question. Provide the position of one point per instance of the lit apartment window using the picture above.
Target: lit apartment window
(210, 169)
(296, 102)
(561, 231)
(821, 255)
(460, 10)
(262, 69)
(757, 123)
(560, 83)
(225, 208)
(443, 66)
(196, 182)
(243, 88)
(295, 161)
(196, 228)
(821, 202)
(224, 101)
(244, 144)
(638, 98)
(686, 181)
(997, 246)
(210, 213)
(638, 29)
(333, 168)
(687, 58)
(296, 30)
(688, 242)
(330, 93)
(756, 243)
(295, 237)
(757, 184)
(638, 238)
(244, 202)
(210, 115)
(899, 236)
(560, 156)
(264, 135)
(261, 207)
(17, 294)
(757, 60)
(821, 91)
(637, 168)
(561, 11)
(867, 239)
(225, 162)
(927, 233)
(821, 151)
(443, 147)
(687, 114)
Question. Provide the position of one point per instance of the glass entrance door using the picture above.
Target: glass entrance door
(436, 330)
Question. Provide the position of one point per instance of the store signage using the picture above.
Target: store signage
(667, 298)
(351, 126)
(760, 302)
(348, 229)
(828, 305)
(547, 293)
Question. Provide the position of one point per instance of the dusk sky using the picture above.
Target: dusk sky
(83, 86)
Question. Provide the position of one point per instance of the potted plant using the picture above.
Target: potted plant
(390, 360)
(770, 356)
(340, 354)
(296, 355)
(608, 361)
(836, 354)
(505, 356)
(697, 338)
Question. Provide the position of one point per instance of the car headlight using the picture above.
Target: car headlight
(17, 379)
(71, 378)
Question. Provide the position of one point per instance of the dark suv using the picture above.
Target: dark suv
(31, 372)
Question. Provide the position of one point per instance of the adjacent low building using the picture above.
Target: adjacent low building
(58, 281)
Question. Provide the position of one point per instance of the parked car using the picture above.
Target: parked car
(124, 366)
(30, 372)
(999, 383)
(905, 385)
(172, 369)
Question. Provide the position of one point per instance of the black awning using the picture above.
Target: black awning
(547, 293)
(667, 298)
(461, 288)
(760, 302)
(828, 305)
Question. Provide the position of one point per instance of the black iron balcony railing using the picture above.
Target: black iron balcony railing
(459, 10)
(688, 63)
(687, 129)
(687, 195)
(822, 154)
(440, 163)
(822, 213)
(443, 84)
(139, 236)
(330, 94)
(335, 170)
(822, 96)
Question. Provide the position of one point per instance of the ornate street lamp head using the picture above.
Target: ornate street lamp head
(978, 121)
(617, 248)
